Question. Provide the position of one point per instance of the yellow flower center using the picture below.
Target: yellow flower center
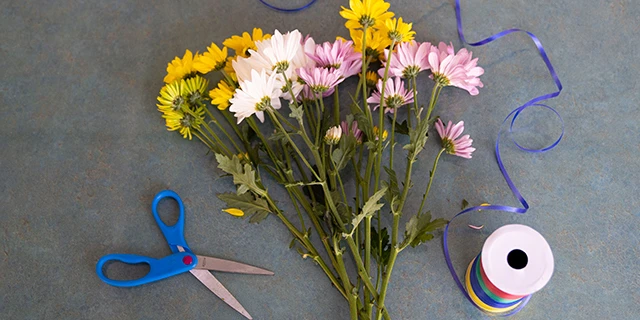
(264, 103)
(440, 79)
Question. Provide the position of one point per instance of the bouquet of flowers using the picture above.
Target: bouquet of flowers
(313, 147)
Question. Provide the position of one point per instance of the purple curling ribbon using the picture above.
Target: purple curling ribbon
(513, 115)
(286, 9)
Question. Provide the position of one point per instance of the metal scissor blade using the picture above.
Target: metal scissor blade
(219, 290)
(215, 264)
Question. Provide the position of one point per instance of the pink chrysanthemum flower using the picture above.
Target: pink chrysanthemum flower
(357, 133)
(339, 55)
(408, 60)
(455, 69)
(395, 95)
(449, 134)
(320, 80)
(307, 95)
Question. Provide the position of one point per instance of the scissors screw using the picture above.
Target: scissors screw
(187, 260)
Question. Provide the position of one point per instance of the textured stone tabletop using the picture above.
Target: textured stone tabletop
(83, 151)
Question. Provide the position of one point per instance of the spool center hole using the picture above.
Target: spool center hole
(517, 259)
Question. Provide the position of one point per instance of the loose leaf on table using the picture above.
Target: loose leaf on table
(378, 242)
(370, 207)
(420, 227)
(464, 205)
(248, 203)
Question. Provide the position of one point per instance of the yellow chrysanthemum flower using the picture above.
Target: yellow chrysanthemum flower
(214, 59)
(366, 13)
(377, 41)
(242, 44)
(234, 212)
(184, 121)
(399, 31)
(194, 90)
(385, 133)
(221, 95)
(171, 97)
(371, 78)
(179, 68)
(228, 69)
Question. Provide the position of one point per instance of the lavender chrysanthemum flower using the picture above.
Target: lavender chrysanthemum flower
(320, 80)
(408, 60)
(353, 129)
(395, 95)
(455, 69)
(449, 134)
(338, 55)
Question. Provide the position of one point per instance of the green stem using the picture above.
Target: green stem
(396, 215)
(195, 133)
(415, 102)
(345, 280)
(304, 239)
(319, 123)
(215, 121)
(275, 120)
(431, 175)
(232, 122)
(364, 73)
(224, 147)
(295, 203)
(393, 138)
(336, 174)
(336, 107)
(310, 117)
(435, 94)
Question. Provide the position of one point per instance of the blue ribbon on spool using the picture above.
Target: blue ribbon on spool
(513, 115)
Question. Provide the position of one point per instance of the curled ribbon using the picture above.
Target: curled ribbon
(285, 9)
(513, 115)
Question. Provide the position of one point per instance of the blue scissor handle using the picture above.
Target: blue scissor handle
(158, 268)
(173, 234)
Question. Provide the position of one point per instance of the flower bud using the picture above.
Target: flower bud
(333, 135)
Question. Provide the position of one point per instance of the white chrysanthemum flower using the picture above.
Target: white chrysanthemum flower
(256, 95)
(281, 54)
(280, 49)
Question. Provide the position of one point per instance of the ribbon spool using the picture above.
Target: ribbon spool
(515, 262)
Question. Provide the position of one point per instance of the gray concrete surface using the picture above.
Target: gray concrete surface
(83, 151)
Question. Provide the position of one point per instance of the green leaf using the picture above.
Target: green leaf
(280, 136)
(417, 137)
(401, 128)
(465, 204)
(248, 203)
(229, 165)
(296, 112)
(394, 190)
(243, 176)
(370, 207)
(420, 227)
(378, 242)
(363, 124)
(336, 157)
(343, 154)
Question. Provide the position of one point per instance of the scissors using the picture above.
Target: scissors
(181, 261)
